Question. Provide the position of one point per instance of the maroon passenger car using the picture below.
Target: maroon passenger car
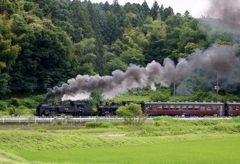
(183, 108)
(232, 108)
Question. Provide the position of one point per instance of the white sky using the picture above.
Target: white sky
(195, 7)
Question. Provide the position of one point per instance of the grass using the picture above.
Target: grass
(163, 140)
(134, 98)
(209, 149)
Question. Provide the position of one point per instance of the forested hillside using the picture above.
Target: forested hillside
(43, 43)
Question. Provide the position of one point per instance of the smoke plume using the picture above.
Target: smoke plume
(227, 10)
(218, 60)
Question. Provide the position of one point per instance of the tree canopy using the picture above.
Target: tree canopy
(43, 43)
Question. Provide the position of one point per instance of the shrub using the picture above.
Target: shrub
(15, 102)
(13, 111)
(129, 112)
(160, 96)
(38, 99)
(17, 111)
(236, 119)
(3, 106)
(93, 124)
(29, 103)
(105, 125)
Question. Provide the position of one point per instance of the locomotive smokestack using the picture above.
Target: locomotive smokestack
(217, 59)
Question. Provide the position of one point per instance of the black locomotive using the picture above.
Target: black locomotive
(81, 108)
(74, 108)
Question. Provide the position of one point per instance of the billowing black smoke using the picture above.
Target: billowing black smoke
(227, 10)
(218, 60)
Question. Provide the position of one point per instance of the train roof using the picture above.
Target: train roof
(233, 103)
(184, 103)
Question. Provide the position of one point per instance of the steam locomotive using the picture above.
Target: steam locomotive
(81, 108)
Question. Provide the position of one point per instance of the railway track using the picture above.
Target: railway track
(57, 120)
(80, 120)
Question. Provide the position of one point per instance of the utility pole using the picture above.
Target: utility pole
(216, 88)
(174, 90)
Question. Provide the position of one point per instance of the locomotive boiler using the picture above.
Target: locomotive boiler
(74, 108)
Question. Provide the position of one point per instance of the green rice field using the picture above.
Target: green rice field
(208, 150)
(162, 140)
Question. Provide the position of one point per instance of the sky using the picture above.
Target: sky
(195, 7)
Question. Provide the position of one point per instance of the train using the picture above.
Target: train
(83, 108)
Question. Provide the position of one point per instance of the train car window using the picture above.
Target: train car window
(165, 107)
(184, 106)
(159, 107)
(172, 107)
(237, 107)
(208, 108)
(196, 107)
(178, 107)
(190, 107)
(202, 107)
(154, 107)
(214, 107)
(147, 107)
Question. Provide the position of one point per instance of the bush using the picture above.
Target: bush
(93, 124)
(236, 119)
(129, 112)
(38, 99)
(29, 103)
(97, 124)
(3, 106)
(15, 102)
(13, 111)
(160, 96)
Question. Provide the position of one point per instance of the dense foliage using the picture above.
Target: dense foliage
(130, 112)
(43, 43)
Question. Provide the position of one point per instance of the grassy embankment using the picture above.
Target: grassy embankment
(162, 140)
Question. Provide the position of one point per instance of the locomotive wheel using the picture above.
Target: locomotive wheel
(46, 112)
(108, 114)
(77, 114)
(52, 113)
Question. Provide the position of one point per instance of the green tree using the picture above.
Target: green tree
(9, 51)
(156, 35)
(130, 112)
(160, 96)
(7, 6)
(132, 56)
(146, 9)
(115, 64)
(98, 52)
(167, 12)
(80, 21)
(154, 10)
(111, 29)
(186, 14)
